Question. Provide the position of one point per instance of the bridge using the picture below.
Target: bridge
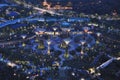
(105, 64)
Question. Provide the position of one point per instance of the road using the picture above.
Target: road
(37, 8)
(105, 64)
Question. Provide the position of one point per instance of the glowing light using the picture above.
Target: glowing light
(98, 34)
(73, 73)
(54, 28)
(27, 77)
(49, 42)
(82, 42)
(92, 70)
(14, 74)
(82, 52)
(67, 41)
(24, 36)
(11, 64)
(82, 79)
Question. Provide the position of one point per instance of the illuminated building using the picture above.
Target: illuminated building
(57, 6)
(46, 4)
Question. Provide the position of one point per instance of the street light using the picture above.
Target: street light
(23, 36)
(98, 34)
(83, 42)
(68, 30)
(54, 28)
(48, 42)
(67, 41)
(82, 46)
(82, 52)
